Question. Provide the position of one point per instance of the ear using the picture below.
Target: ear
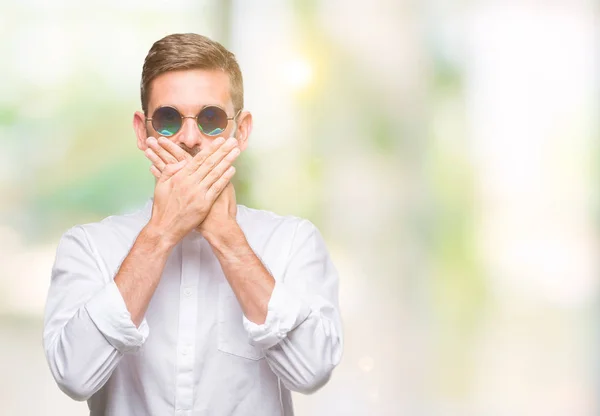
(139, 125)
(244, 129)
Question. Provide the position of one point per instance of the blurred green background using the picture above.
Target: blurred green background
(446, 150)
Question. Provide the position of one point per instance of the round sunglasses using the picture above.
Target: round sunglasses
(211, 120)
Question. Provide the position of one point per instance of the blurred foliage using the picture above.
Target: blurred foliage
(441, 224)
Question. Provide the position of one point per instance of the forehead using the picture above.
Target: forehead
(190, 90)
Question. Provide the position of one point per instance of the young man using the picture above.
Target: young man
(193, 305)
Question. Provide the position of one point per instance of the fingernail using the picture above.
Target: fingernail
(231, 140)
(151, 140)
(219, 141)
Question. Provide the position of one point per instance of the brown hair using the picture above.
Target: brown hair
(191, 51)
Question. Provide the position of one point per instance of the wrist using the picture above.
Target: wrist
(157, 238)
(227, 233)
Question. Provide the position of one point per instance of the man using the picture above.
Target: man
(192, 305)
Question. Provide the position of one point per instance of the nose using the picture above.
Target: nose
(189, 136)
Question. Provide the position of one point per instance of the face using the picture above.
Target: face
(189, 91)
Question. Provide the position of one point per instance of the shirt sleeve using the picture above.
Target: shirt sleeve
(302, 333)
(87, 327)
(284, 313)
(109, 313)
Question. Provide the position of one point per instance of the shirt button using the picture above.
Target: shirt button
(187, 292)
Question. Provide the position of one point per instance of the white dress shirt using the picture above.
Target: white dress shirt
(194, 353)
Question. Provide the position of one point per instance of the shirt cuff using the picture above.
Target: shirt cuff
(284, 313)
(109, 313)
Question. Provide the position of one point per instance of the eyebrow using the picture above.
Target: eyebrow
(198, 111)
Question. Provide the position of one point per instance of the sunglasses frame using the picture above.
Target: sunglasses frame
(151, 119)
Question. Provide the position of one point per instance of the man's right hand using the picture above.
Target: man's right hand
(186, 190)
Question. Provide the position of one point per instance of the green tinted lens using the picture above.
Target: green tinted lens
(166, 121)
(212, 121)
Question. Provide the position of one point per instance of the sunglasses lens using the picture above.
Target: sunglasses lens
(212, 121)
(166, 121)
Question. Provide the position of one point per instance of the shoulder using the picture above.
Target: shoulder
(263, 222)
(116, 229)
(277, 239)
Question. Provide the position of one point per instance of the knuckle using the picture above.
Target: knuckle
(210, 163)
(213, 175)
(219, 184)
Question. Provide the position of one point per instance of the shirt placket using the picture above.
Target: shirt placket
(188, 307)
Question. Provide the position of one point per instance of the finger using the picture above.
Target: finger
(155, 172)
(199, 159)
(213, 160)
(156, 161)
(171, 169)
(218, 187)
(160, 151)
(174, 149)
(212, 176)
